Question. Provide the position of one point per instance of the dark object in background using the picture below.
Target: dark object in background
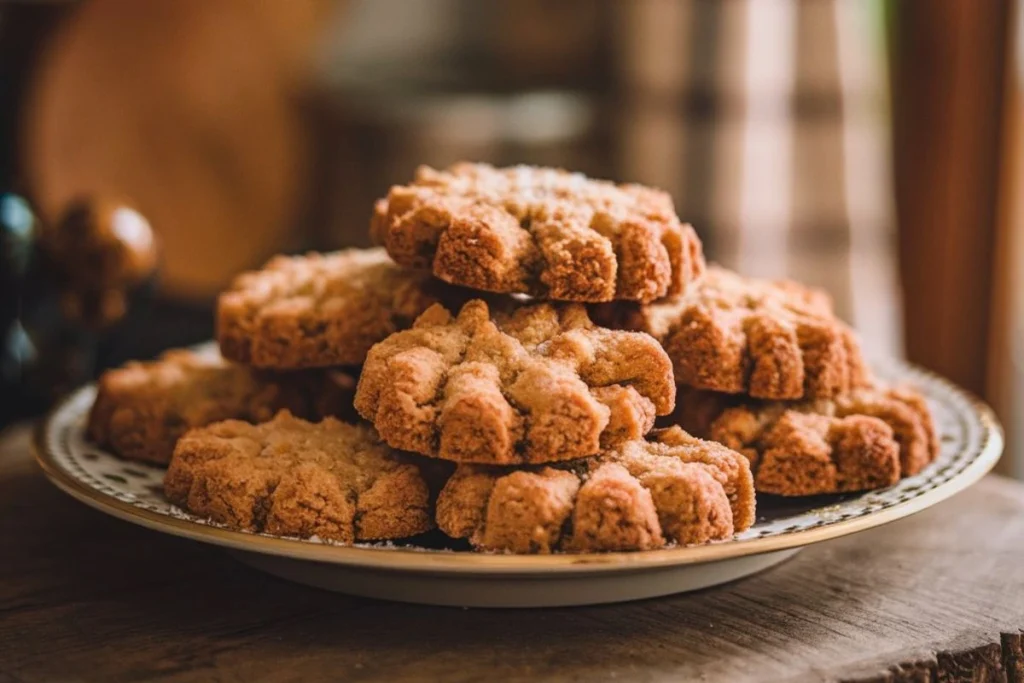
(64, 288)
(18, 233)
(99, 252)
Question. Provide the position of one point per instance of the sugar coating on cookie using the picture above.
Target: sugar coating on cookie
(539, 231)
(639, 495)
(289, 477)
(772, 339)
(862, 440)
(528, 384)
(142, 408)
(319, 309)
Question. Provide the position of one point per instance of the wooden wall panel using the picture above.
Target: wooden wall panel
(947, 82)
(1005, 385)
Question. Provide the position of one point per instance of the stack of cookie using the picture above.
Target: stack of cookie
(490, 404)
(766, 368)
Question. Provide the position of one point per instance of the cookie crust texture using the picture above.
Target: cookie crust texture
(143, 408)
(528, 384)
(320, 310)
(290, 477)
(771, 339)
(639, 495)
(544, 232)
(864, 440)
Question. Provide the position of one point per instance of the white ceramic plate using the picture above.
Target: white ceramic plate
(430, 569)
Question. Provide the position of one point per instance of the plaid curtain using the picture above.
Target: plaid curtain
(768, 122)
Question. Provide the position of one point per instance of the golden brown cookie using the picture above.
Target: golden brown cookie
(639, 495)
(539, 231)
(289, 477)
(320, 309)
(531, 384)
(142, 409)
(862, 440)
(772, 339)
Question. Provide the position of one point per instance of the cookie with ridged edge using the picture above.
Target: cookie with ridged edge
(320, 310)
(639, 495)
(539, 231)
(862, 440)
(773, 339)
(522, 384)
(289, 477)
(143, 408)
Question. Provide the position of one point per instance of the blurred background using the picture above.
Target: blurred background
(870, 147)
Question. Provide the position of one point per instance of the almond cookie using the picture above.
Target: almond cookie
(639, 495)
(289, 477)
(320, 309)
(866, 439)
(539, 231)
(532, 384)
(772, 339)
(142, 409)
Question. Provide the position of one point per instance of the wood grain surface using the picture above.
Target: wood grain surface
(83, 597)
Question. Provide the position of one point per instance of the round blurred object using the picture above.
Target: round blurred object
(98, 252)
(190, 109)
(100, 243)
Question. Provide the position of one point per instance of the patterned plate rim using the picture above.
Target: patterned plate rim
(420, 560)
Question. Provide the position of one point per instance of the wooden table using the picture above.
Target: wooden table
(939, 596)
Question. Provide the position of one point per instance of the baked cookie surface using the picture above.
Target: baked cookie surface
(862, 440)
(319, 309)
(529, 384)
(290, 477)
(773, 339)
(143, 408)
(639, 495)
(539, 231)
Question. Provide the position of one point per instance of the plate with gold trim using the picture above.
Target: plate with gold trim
(431, 569)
